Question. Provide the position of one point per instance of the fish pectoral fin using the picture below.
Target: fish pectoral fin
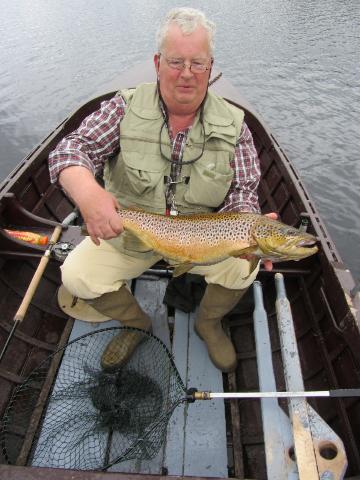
(243, 252)
(254, 262)
(249, 254)
(182, 268)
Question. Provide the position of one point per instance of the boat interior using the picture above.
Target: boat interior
(235, 438)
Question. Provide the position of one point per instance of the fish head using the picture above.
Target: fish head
(278, 241)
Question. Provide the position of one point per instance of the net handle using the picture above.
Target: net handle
(193, 394)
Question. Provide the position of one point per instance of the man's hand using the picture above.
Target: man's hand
(98, 207)
(101, 217)
(268, 265)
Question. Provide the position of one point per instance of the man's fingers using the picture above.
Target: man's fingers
(116, 225)
(111, 229)
(272, 215)
(268, 265)
(95, 240)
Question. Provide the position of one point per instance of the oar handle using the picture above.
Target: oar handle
(20, 314)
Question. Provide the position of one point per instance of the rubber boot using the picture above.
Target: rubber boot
(215, 304)
(121, 305)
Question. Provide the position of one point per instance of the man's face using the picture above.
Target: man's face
(182, 90)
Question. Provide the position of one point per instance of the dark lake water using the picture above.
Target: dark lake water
(296, 62)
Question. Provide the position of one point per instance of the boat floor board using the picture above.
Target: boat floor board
(196, 444)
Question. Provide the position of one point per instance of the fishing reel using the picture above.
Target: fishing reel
(62, 249)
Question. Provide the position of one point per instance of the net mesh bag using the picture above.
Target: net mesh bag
(91, 418)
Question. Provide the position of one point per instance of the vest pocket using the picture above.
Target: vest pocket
(207, 186)
(142, 175)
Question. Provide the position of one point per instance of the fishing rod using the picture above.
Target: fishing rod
(21, 312)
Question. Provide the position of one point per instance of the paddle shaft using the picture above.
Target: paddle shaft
(339, 393)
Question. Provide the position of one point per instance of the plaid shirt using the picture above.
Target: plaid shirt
(98, 138)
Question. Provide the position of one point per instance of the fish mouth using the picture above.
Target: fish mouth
(293, 249)
(306, 243)
(301, 248)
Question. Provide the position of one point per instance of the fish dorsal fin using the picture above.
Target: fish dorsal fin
(181, 269)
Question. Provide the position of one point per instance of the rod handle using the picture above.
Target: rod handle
(20, 314)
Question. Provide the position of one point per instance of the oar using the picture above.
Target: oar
(20, 314)
(338, 393)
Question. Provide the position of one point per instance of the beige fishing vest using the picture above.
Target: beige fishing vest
(136, 176)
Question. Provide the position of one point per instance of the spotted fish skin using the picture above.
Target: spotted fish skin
(208, 238)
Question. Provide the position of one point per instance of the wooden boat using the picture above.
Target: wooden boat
(325, 314)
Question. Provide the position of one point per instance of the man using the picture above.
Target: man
(179, 149)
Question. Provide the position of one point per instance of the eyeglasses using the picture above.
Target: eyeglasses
(178, 64)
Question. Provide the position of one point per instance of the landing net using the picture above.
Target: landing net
(93, 419)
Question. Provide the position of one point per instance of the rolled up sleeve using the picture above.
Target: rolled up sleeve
(96, 140)
(242, 195)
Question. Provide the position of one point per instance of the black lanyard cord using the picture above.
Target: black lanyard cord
(188, 162)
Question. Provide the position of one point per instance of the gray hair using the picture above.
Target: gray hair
(188, 19)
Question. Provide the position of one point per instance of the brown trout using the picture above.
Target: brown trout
(205, 239)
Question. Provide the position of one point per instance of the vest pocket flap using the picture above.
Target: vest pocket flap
(219, 120)
(227, 133)
(147, 162)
